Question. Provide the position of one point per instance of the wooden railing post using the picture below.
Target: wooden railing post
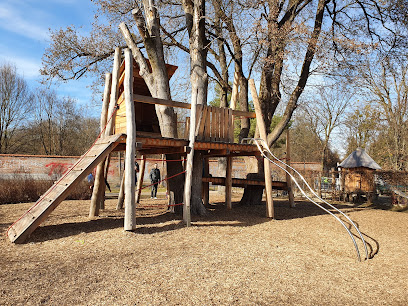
(267, 166)
(288, 178)
(98, 193)
(140, 180)
(228, 183)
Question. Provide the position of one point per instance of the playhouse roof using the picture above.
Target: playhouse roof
(359, 158)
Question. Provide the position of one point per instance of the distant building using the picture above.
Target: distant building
(357, 175)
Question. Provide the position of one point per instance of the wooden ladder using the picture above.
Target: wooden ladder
(24, 226)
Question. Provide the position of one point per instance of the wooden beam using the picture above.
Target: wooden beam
(187, 128)
(288, 178)
(199, 119)
(206, 185)
(130, 203)
(203, 120)
(228, 183)
(267, 165)
(230, 126)
(237, 182)
(140, 180)
(150, 100)
(94, 206)
(121, 196)
(163, 150)
(98, 192)
(114, 91)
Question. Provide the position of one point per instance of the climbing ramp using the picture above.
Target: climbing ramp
(31, 219)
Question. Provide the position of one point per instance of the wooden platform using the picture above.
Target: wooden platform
(236, 182)
(160, 145)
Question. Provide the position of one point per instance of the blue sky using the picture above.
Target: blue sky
(24, 35)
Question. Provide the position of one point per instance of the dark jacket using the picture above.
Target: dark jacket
(154, 175)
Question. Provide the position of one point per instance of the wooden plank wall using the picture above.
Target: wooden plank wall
(120, 121)
(214, 124)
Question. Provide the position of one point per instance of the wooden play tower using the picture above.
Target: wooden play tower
(130, 124)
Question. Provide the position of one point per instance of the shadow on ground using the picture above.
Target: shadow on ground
(218, 215)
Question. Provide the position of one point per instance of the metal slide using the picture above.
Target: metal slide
(262, 146)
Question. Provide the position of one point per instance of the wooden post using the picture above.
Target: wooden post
(189, 162)
(288, 178)
(114, 91)
(99, 184)
(228, 183)
(94, 206)
(333, 184)
(233, 104)
(267, 166)
(206, 186)
(121, 197)
(140, 180)
(130, 203)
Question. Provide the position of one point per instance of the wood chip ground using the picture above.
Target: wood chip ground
(236, 257)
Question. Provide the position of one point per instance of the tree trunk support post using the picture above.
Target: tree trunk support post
(189, 162)
(130, 203)
(121, 196)
(228, 183)
(288, 178)
(267, 166)
(140, 180)
(99, 185)
(94, 206)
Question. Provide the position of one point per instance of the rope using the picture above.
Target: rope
(69, 171)
(165, 179)
(323, 208)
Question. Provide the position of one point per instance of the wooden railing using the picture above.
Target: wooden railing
(214, 124)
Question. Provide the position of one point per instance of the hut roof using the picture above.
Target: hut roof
(359, 158)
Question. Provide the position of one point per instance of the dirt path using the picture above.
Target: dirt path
(228, 257)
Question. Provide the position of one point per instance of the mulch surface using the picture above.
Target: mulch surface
(236, 257)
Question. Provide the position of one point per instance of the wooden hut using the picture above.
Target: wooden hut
(357, 176)
(147, 123)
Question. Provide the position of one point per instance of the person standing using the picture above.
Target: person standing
(136, 170)
(154, 179)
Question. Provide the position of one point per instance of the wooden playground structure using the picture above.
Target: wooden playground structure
(129, 123)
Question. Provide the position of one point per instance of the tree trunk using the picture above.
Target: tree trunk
(130, 203)
(253, 194)
(243, 103)
(157, 82)
(195, 18)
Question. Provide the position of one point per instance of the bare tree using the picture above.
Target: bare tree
(58, 126)
(363, 125)
(14, 106)
(386, 86)
(325, 112)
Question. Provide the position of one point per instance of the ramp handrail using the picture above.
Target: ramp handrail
(257, 141)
